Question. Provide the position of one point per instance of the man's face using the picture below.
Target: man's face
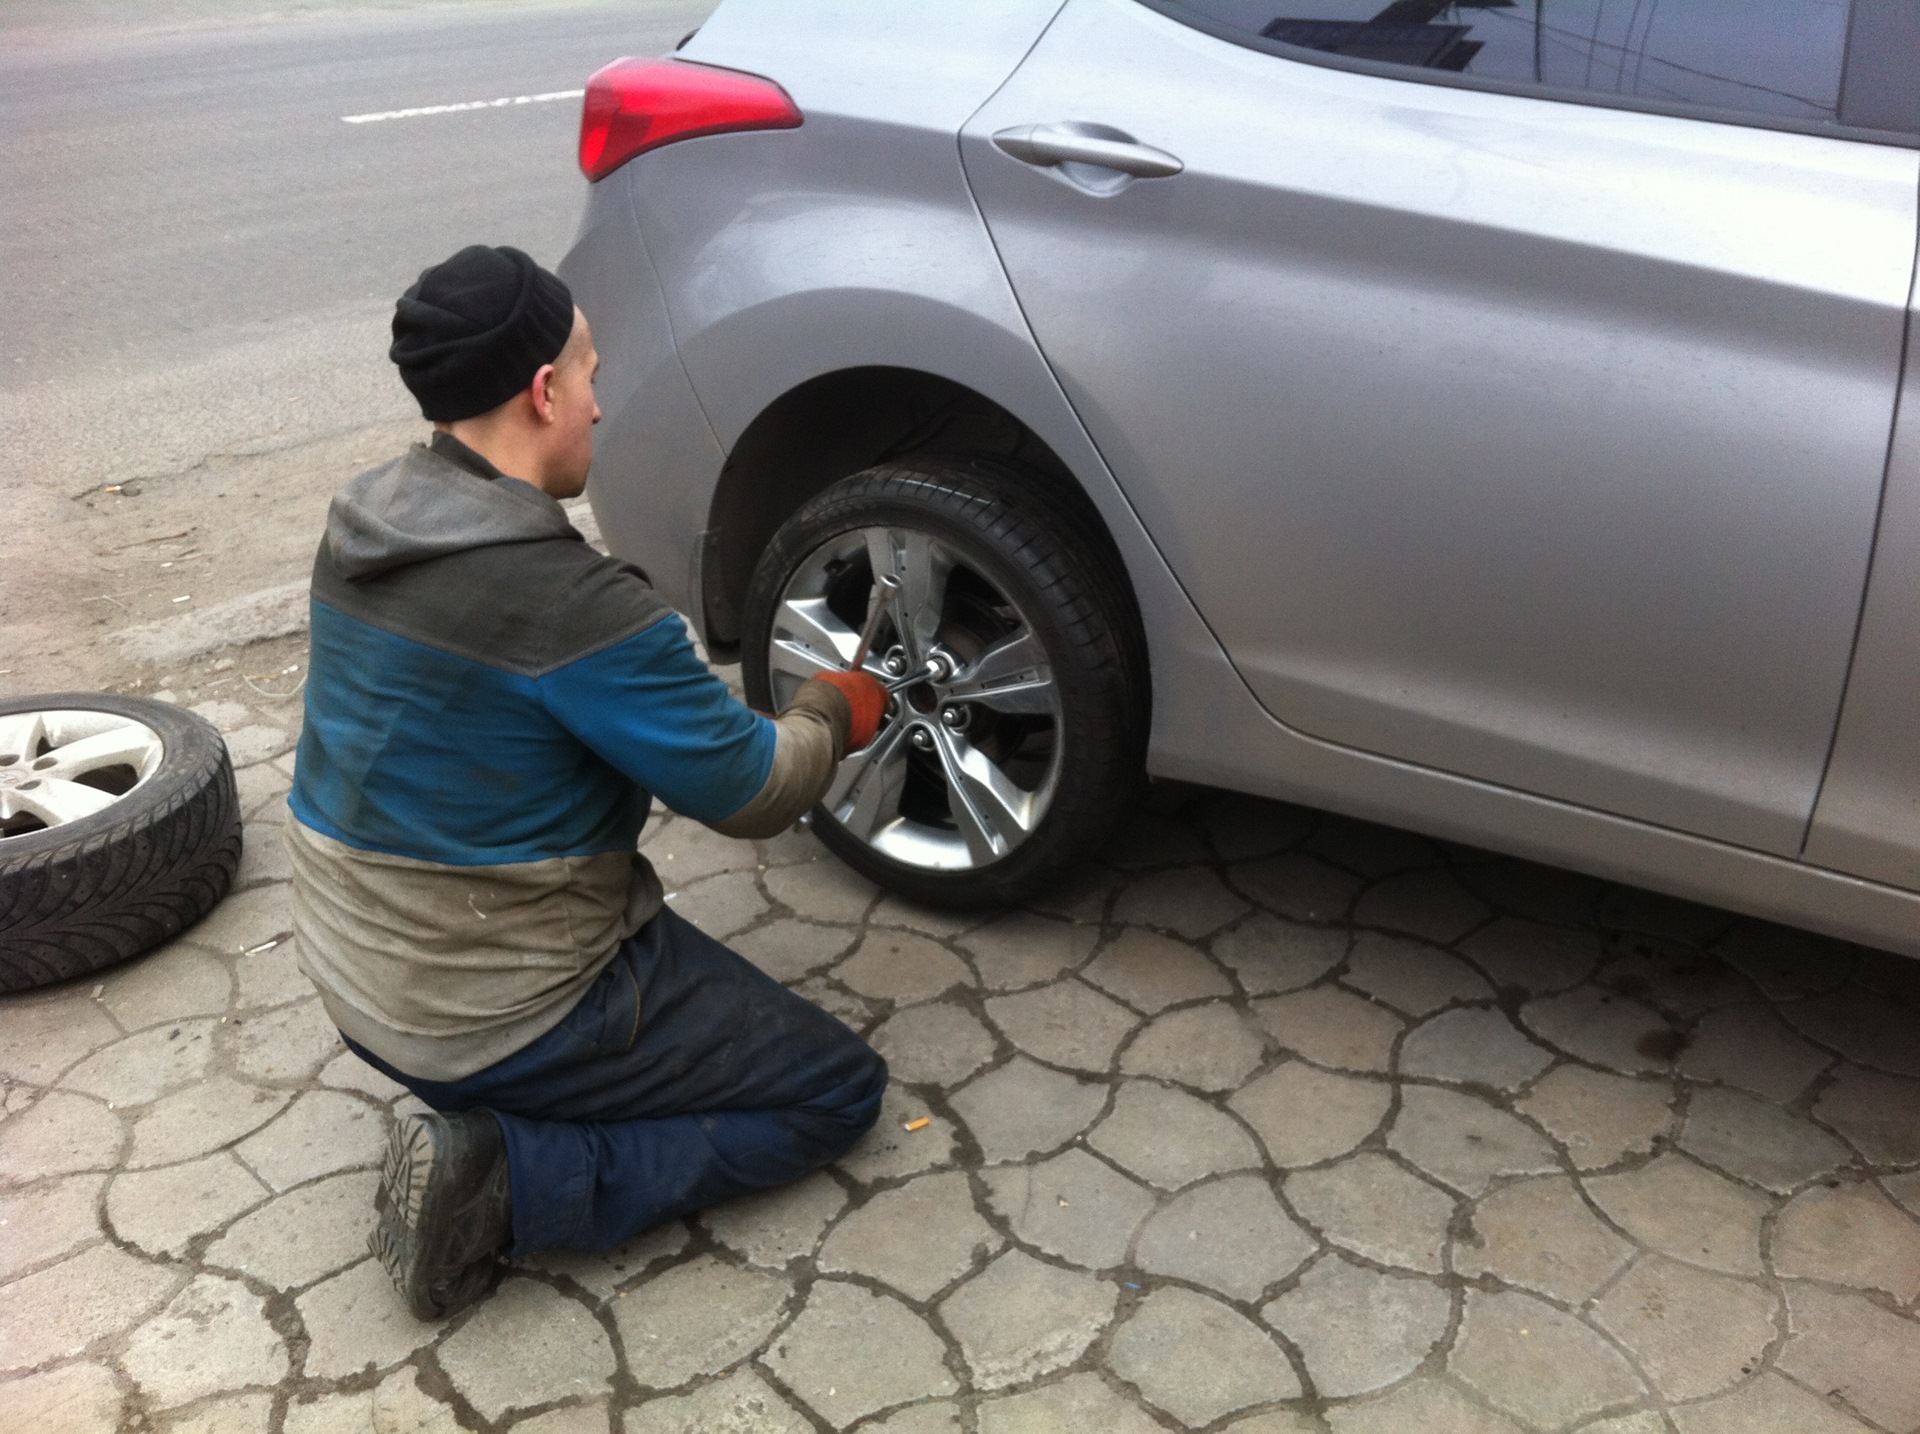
(575, 411)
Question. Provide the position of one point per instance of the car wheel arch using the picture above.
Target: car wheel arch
(836, 424)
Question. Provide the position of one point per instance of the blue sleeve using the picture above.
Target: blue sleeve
(649, 707)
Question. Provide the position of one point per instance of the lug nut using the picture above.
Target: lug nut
(895, 663)
(956, 717)
(923, 739)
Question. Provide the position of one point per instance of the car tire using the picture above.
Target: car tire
(79, 895)
(1022, 563)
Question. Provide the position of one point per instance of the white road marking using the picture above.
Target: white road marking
(418, 110)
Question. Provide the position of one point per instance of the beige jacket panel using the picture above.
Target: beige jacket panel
(810, 738)
(441, 971)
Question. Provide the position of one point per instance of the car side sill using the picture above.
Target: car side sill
(1245, 749)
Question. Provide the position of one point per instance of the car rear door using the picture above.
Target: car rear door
(1534, 440)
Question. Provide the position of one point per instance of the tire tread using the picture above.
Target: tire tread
(111, 891)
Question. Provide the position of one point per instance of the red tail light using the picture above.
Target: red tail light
(633, 106)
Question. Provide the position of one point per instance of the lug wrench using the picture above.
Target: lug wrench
(886, 587)
(932, 670)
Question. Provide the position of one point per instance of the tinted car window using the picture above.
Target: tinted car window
(1780, 58)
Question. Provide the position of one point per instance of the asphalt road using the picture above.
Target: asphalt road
(201, 255)
(198, 248)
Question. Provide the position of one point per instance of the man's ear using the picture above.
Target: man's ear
(542, 388)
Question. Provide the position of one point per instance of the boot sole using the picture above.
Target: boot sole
(405, 1176)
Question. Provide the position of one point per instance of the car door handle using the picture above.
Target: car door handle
(1074, 142)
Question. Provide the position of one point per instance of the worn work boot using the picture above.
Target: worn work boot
(445, 1210)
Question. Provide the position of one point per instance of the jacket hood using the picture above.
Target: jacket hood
(426, 504)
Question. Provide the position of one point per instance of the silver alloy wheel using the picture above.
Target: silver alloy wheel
(968, 759)
(61, 765)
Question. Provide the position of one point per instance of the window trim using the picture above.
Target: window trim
(1180, 12)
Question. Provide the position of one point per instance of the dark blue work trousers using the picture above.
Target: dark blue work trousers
(683, 1077)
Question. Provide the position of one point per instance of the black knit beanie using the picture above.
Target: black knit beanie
(473, 331)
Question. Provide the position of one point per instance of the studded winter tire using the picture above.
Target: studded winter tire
(119, 828)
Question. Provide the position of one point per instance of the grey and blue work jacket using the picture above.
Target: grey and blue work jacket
(491, 707)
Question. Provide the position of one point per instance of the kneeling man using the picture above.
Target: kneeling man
(490, 710)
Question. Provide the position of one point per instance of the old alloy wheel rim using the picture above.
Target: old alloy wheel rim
(967, 761)
(61, 765)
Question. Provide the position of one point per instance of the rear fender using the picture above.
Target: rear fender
(877, 260)
(655, 457)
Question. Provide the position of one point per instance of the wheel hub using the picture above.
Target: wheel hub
(927, 695)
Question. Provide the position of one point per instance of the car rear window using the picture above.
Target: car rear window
(1783, 59)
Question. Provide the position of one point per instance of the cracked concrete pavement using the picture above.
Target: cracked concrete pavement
(1271, 1121)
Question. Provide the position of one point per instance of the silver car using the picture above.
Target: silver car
(1491, 418)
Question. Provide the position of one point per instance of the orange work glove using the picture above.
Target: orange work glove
(866, 697)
